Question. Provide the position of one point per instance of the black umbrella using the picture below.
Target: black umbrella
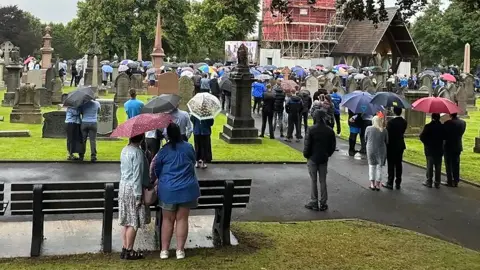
(226, 84)
(79, 97)
(389, 99)
(162, 104)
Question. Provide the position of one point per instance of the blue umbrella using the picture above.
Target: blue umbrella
(389, 99)
(300, 72)
(270, 67)
(261, 69)
(255, 72)
(360, 103)
(204, 69)
(147, 63)
(107, 69)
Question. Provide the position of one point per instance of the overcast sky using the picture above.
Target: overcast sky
(65, 10)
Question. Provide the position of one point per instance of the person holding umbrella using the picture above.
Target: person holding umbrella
(74, 134)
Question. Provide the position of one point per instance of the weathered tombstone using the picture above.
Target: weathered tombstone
(321, 81)
(14, 70)
(26, 107)
(102, 91)
(107, 118)
(185, 90)
(2, 65)
(328, 85)
(54, 125)
(415, 119)
(367, 85)
(122, 86)
(427, 81)
(311, 84)
(49, 76)
(7, 47)
(35, 77)
(444, 92)
(469, 81)
(45, 96)
(461, 100)
(136, 82)
(337, 81)
(57, 91)
(167, 83)
(351, 84)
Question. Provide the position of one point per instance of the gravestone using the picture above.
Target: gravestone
(461, 100)
(167, 83)
(26, 107)
(415, 119)
(57, 91)
(13, 83)
(54, 125)
(311, 84)
(102, 91)
(328, 85)
(35, 77)
(321, 81)
(115, 72)
(107, 118)
(2, 66)
(367, 85)
(136, 82)
(49, 76)
(469, 81)
(337, 81)
(427, 81)
(122, 86)
(45, 96)
(351, 84)
(7, 47)
(185, 90)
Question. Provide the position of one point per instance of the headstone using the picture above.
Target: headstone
(122, 86)
(311, 84)
(367, 85)
(240, 127)
(47, 49)
(476, 148)
(115, 72)
(107, 118)
(45, 96)
(49, 76)
(415, 119)
(167, 83)
(351, 84)
(136, 82)
(461, 100)
(337, 81)
(54, 125)
(7, 47)
(469, 81)
(26, 107)
(2, 66)
(57, 91)
(13, 83)
(322, 80)
(328, 85)
(185, 89)
(35, 77)
(102, 91)
(427, 81)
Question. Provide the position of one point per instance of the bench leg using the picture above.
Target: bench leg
(108, 218)
(37, 222)
(223, 216)
(158, 226)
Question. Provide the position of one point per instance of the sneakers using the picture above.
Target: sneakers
(164, 254)
(180, 254)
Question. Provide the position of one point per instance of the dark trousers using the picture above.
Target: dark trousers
(294, 121)
(352, 141)
(434, 163)
(153, 145)
(267, 116)
(257, 103)
(452, 166)
(74, 80)
(337, 123)
(304, 119)
(226, 96)
(395, 167)
(89, 130)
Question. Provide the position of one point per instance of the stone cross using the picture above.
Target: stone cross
(7, 47)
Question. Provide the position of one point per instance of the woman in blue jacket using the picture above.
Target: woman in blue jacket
(202, 129)
(258, 88)
(178, 188)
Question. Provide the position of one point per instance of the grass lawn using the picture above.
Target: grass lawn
(36, 148)
(305, 245)
(469, 160)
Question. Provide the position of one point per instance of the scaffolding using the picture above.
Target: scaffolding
(312, 32)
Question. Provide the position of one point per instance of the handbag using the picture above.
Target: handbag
(150, 195)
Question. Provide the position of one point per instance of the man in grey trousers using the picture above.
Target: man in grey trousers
(90, 112)
(320, 144)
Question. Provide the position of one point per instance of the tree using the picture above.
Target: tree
(21, 28)
(63, 41)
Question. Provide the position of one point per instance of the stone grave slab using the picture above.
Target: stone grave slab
(45, 96)
(54, 125)
(186, 88)
(107, 118)
(57, 91)
(122, 86)
(311, 84)
(14, 133)
(26, 107)
(167, 83)
(35, 77)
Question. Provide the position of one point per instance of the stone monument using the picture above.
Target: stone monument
(2, 66)
(115, 66)
(93, 50)
(136, 82)
(26, 107)
(122, 86)
(158, 54)
(107, 118)
(328, 85)
(311, 84)
(461, 100)
(351, 84)
(240, 127)
(427, 81)
(56, 86)
(167, 83)
(54, 125)
(185, 90)
(415, 119)
(14, 69)
(367, 85)
(47, 49)
(7, 47)
(468, 82)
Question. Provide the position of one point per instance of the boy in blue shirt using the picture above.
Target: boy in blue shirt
(337, 99)
(133, 107)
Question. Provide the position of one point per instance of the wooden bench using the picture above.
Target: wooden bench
(97, 197)
(3, 203)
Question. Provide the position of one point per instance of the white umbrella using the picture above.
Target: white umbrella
(187, 73)
(263, 77)
(204, 106)
(151, 70)
(359, 76)
(123, 68)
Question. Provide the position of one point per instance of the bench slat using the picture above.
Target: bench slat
(63, 195)
(221, 183)
(206, 191)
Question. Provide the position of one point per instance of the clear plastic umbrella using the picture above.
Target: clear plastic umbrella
(204, 106)
(123, 68)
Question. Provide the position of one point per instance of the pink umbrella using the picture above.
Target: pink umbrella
(448, 77)
(435, 105)
(28, 60)
(141, 124)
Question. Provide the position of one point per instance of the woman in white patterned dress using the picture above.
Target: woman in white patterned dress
(132, 213)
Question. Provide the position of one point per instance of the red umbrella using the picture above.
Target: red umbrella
(448, 77)
(28, 60)
(141, 124)
(435, 105)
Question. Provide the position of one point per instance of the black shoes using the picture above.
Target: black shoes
(261, 136)
(449, 184)
(387, 186)
(314, 206)
(427, 184)
(94, 159)
(323, 207)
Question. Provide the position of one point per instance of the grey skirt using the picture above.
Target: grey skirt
(128, 213)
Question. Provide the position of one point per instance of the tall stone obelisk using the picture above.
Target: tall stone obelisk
(139, 56)
(93, 50)
(47, 49)
(158, 54)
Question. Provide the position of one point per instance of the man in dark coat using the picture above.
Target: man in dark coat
(294, 109)
(214, 87)
(278, 107)
(316, 95)
(396, 146)
(320, 144)
(454, 130)
(267, 113)
(307, 104)
(432, 138)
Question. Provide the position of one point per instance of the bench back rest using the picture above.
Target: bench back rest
(3, 204)
(89, 197)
